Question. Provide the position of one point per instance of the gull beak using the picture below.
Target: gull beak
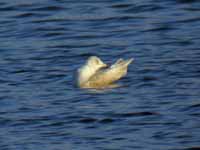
(104, 65)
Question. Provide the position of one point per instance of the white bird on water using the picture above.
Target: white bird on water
(94, 75)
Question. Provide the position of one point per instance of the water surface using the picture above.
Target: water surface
(42, 43)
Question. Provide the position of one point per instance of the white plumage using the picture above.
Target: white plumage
(94, 75)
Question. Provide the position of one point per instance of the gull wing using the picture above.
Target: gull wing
(106, 77)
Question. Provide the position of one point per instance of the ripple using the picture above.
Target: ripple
(192, 9)
(106, 120)
(28, 15)
(186, 1)
(189, 20)
(49, 8)
(135, 114)
(121, 5)
(4, 121)
(8, 8)
(192, 148)
(149, 78)
(49, 29)
(192, 107)
(143, 8)
(55, 34)
(48, 20)
(88, 120)
(161, 28)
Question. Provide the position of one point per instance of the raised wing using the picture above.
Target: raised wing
(103, 78)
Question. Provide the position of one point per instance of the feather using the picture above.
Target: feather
(102, 78)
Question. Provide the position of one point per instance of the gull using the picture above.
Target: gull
(96, 74)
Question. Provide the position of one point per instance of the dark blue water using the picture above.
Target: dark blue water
(42, 43)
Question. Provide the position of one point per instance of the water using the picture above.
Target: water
(42, 43)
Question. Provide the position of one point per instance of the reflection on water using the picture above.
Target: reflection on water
(42, 43)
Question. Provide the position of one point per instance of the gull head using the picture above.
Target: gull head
(95, 63)
(92, 65)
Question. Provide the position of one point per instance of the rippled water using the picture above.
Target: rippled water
(42, 43)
